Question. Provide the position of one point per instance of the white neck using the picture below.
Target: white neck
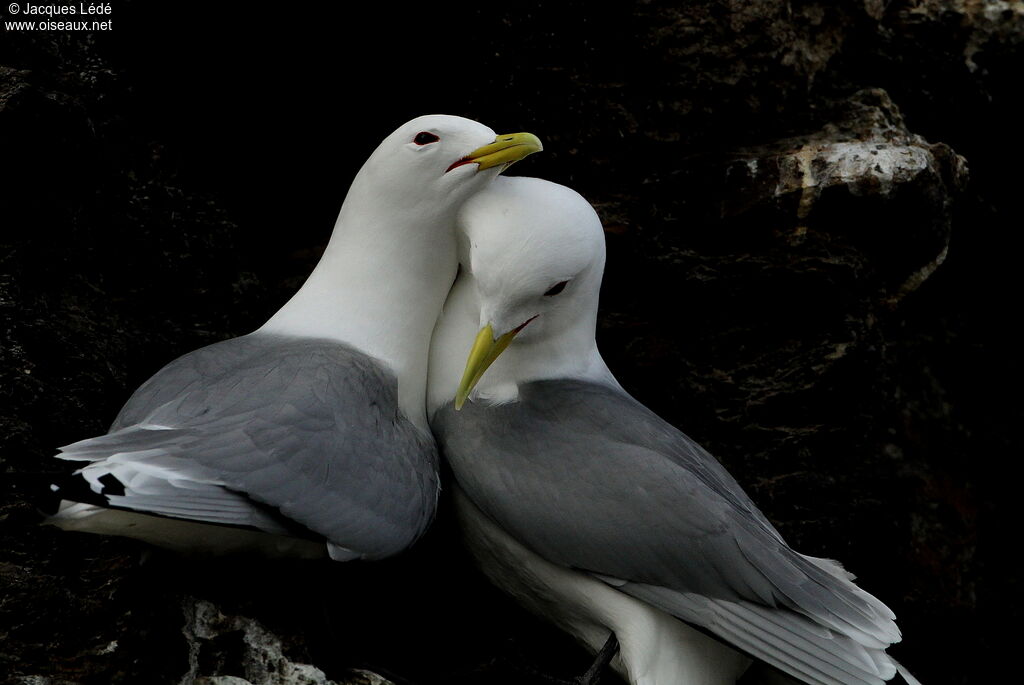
(378, 287)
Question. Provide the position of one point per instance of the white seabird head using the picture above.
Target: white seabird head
(391, 259)
(440, 159)
(535, 251)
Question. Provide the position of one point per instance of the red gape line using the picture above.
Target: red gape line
(464, 160)
(523, 324)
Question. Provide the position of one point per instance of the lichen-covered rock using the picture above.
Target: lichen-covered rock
(981, 23)
(221, 646)
(775, 240)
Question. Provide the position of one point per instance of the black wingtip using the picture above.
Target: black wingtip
(75, 488)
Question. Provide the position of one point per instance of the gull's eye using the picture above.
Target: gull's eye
(555, 289)
(425, 138)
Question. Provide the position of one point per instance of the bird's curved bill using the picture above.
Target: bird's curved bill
(506, 149)
(485, 350)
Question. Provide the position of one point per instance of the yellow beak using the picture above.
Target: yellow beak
(506, 149)
(485, 350)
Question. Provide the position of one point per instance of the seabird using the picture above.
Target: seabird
(312, 429)
(591, 510)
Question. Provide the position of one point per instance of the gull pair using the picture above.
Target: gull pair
(591, 510)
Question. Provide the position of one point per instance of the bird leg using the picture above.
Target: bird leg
(603, 658)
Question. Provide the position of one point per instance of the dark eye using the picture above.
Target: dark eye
(555, 289)
(425, 138)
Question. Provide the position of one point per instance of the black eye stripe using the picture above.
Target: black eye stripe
(556, 288)
(425, 138)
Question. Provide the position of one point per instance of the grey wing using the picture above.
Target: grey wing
(282, 434)
(792, 641)
(589, 478)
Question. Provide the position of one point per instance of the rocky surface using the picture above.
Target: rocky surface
(813, 233)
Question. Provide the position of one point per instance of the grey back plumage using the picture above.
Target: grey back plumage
(309, 429)
(589, 478)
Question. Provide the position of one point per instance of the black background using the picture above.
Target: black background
(170, 182)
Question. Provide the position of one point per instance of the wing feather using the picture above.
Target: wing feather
(283, 434)
(590, 479)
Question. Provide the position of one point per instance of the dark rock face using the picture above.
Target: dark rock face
(802, 275)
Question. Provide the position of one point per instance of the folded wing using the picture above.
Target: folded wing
(590, 479)
(285, 435)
